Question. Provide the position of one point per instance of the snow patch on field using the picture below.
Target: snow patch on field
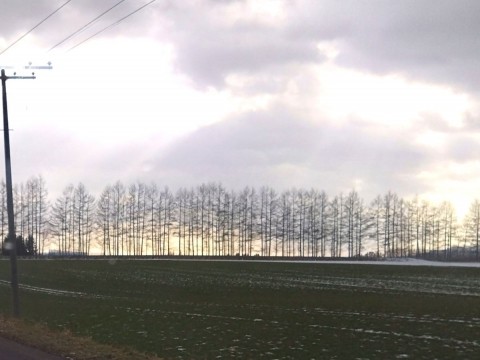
(392, 261)
(386, 261)
(50, 291)
(420, 262)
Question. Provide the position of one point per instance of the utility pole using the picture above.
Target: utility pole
(12, 240)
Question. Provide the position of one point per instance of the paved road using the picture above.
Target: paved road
(10, 350)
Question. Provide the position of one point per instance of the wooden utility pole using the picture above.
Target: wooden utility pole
(12, 241)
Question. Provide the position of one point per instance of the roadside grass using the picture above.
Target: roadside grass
(204, 309)
(63, 343)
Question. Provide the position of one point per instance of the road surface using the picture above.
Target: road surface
(10, 350)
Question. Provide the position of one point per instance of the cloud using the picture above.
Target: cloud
(227, 38)
(314, 124)
(417, 39)
(18, 17)
(216, 39)
(277, 149)
(436, 42)
(62, 158)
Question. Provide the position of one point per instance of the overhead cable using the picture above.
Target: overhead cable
(86, 25)
(112, 25)
(36, 26)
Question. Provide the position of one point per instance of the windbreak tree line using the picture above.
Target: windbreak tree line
(210, 220)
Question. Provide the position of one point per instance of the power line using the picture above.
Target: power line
(86, 25)
(111, 25)
(36, 26)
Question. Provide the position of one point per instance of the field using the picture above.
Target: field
(255, 310)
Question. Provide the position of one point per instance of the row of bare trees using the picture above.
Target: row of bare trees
(31, 212)
(209, 220)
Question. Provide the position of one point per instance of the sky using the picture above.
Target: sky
(375, 96)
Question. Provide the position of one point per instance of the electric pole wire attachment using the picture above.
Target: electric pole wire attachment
(12, 241)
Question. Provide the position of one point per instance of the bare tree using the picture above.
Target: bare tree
(104, 219)
(42, 213)
(376, 219)
(167, 218)
(118, 219)
(472, 227)
(61, 221)
(267, 219)
(83, 218)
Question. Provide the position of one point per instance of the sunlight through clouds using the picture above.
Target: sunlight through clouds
(386, 100)
(454, 182)
(270, 12)
(132, 97)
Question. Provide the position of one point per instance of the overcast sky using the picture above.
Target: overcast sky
(335, 95)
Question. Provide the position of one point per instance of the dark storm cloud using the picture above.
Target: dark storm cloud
(275, 148)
